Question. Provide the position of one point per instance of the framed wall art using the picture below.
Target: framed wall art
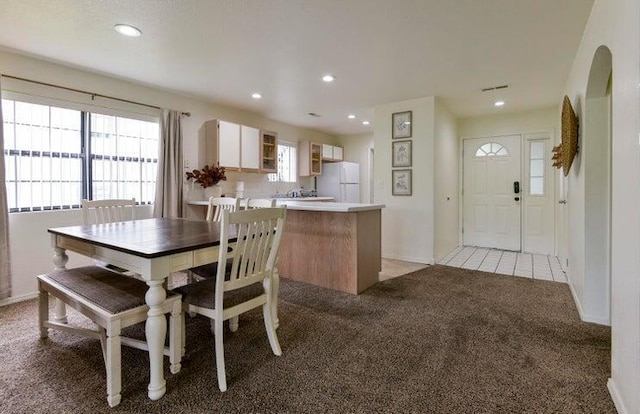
(401, 154)
(401, 181)
(401, 125)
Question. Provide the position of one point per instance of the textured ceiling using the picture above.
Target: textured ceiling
(381, 51)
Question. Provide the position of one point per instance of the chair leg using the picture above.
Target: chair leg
(43, 311)
(113, 364)
(275, 290)
(219, 343)
(234, 323)
(175, 337)
(271, 330)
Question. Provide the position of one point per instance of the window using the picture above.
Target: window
(287, 161)
(491, 150)
(536, 167)
(51, 151)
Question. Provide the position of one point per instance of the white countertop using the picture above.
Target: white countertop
(301, 199)
(329, 207)
(306, 199)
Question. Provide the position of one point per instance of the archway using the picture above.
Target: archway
(596, 144)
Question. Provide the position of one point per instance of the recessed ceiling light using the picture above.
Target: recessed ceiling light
(498, 103)
(127, 30)
(365, 122)
(256, 96)
(328, 78)
(351, 116)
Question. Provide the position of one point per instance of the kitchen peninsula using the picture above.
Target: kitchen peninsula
(332, 245)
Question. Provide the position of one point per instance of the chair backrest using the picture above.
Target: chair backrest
(261, 203)
(255, 253)
(108, 211)
(219, 204)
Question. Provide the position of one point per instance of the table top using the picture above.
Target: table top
(148, 238)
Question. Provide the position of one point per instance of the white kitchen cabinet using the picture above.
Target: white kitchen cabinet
(249, 148)
(331, 153)
(233, 146)
(222, 144)
(338, 153)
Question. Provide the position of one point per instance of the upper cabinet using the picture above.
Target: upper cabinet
(240, 147)
(222, 144)
(268, 152)
(332, 153)
(309, 158)
(249, 149)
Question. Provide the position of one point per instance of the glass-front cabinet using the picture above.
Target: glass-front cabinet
(268, 152)
(310, 157)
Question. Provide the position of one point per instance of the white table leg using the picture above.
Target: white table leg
(156, 331)
(60, 260)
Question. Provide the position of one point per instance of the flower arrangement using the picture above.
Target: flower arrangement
(208, 176)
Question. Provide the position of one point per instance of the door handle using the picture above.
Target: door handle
(517, 198)
(562, 202)
(516, 187)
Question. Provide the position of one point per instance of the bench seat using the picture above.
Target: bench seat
(113, 302)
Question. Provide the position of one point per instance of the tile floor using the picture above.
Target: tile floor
(534, 266)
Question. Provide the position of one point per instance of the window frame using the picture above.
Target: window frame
(85, 155)
(275, 177)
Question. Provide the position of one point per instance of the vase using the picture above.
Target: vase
(214, 191)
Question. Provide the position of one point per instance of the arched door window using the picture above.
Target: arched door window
(492, 149)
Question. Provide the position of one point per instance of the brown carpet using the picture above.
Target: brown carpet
(440, 340)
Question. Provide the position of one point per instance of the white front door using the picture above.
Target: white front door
(491, 201)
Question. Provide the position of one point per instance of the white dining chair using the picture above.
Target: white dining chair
(109, 211)
(260, 203)
(218, 204)
(247, 285)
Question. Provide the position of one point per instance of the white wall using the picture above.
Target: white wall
(616, 24)
(446, 180)
(31, 253)
(535, 120)
(356, 149)
(407, 221)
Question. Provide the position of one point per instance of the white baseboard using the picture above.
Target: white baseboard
(583, 316)
(428, 261)
(16, 299)
(575, 299)
(595, 319)
(615, 396)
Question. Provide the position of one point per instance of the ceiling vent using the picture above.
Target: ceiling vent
(495, 88)
(313, 114)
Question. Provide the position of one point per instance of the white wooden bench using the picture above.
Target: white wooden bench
(113, 302)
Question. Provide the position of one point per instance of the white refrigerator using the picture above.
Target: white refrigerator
(340, 180)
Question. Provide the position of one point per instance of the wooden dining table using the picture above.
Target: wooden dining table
(152, 248)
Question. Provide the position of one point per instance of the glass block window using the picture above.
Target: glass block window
(55, 157)
(491, 149)
(536, 167)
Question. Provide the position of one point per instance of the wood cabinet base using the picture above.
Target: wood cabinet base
(340, 251)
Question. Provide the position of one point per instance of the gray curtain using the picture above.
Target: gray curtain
(169, 181)
(5, 258)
